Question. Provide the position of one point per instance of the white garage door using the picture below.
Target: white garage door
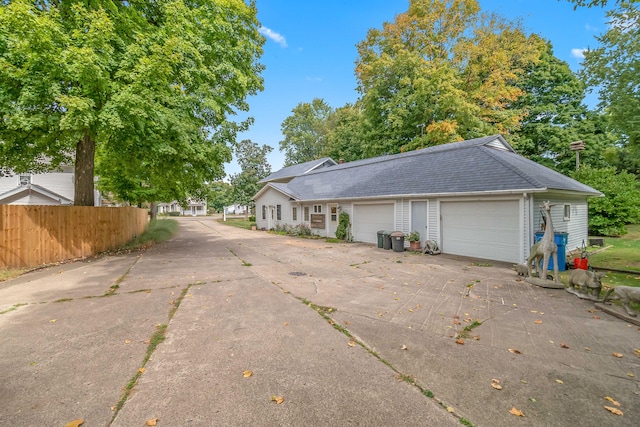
(489, 230)
(368, 219)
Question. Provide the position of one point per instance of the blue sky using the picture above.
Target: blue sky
(311, 50)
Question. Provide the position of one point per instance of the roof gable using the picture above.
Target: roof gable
(24, 190)
(290, 172)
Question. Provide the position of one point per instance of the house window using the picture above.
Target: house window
(264, 211)
(334, 213)
(294, 213)
(25, 179)
(306, 213)
(317, 208)
(279, 212)
(567, 212)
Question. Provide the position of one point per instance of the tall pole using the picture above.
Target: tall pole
(577, 146)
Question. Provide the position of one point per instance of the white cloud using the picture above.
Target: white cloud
(591, 28)
(276, 37)
(578, 53)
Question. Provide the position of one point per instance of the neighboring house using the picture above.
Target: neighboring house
(46, 188)
(475, 198)
(235, 209)
(194, 207)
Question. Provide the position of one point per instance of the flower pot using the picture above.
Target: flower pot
(414, 245)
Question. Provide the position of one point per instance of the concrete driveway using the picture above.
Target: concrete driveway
(222, 326)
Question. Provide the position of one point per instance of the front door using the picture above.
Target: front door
(419, 219)
(333, 220)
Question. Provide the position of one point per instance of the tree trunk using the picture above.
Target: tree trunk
(85, 157)
(153, 206)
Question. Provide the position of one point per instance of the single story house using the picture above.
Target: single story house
(194, 207)
(475, 198)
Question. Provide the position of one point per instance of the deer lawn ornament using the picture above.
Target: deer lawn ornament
(545, 248)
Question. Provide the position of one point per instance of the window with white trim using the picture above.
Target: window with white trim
(306, 213)
(317, 208)
(294, 213)
(264, 211)
(278, 212)
(25, 179)
(567, 212)
(334, 213)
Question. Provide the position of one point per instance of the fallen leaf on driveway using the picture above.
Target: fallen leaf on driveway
(460, 341)
(617, 354)
(53, 320)
(352, 343)
(560, 381)
(537, 322)
(277, 399)
(563, 345)
(74, 423)
(496, 386)
(614, 410)
(247, 374)
(514, 351)
(516, 412)
(404, 347)
(152, 422)
(450, 409)
(612, 400)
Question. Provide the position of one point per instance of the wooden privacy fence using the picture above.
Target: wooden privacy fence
(36, 235)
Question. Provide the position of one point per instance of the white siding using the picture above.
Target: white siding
(59, 182)
(577, 226)
(271, 198)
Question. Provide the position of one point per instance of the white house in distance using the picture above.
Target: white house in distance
(194, 207)
(46, 188)
(475, 198)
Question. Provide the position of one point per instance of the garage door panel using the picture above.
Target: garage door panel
(368, 219)
(488, 230)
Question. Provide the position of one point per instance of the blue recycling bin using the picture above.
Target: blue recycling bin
(561, 239)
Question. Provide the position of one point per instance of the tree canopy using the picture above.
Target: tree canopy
(252, 159)
(613, 67)
(305, 132)
(441, 72)
(146, 88)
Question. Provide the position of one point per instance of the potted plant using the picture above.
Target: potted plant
(414, 240)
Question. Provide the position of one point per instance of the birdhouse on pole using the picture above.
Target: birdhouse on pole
(577, 146)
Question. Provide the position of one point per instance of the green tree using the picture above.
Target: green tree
(345, 137)
(440, 72)
(613, 69)
(620, 205)
(219, 195)
(147, 87)
(252, 159)
(305, 132)
(556, 117)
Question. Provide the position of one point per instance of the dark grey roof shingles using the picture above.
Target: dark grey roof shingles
(465, 167)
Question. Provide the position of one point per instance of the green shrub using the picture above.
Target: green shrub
(344, 226)
(252, 218)
(620, 205)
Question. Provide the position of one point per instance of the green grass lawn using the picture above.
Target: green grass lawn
(239, 222)
(625, 253)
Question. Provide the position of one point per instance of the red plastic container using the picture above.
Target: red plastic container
(581, 263)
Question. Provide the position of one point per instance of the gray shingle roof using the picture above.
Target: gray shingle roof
(479, 165)
(299, 169)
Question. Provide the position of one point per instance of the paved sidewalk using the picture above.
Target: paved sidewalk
(228, 301)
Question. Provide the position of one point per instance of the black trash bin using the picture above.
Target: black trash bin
(397, 241)
(386, 239)
(380, 239)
